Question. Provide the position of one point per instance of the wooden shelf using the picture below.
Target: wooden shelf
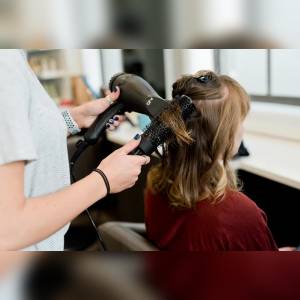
(55, 69)
(52, 75)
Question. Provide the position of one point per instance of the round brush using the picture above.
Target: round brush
(158, 132)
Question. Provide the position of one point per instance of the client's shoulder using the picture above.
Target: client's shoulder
(237, 195)
(240, 201)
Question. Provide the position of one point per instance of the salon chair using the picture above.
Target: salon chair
(123, 236)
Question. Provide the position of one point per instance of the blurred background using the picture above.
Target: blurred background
(155, 276)
(272, 129)
(269, 75)
(144, 24)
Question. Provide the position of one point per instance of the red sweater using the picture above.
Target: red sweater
(235, 223)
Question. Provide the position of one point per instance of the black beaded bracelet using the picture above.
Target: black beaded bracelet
(106, 182)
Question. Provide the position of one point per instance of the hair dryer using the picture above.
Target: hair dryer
(139, 96)
(136, 95)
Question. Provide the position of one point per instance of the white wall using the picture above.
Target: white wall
(224, 16)
(64, 24)
(197, 59)
(279, 21)
(91, 65)
(112, 63)
(185, 61)
(285, 72)
(195, 20)
(60, 27)
(249, 67)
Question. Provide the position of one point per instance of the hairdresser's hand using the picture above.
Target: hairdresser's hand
(85, 114)
(122, 170)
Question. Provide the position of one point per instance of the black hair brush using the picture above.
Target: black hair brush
(158, 132)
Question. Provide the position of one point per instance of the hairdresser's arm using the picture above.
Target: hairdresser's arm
(24, 222)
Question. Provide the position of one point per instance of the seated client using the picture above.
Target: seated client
(193, 200)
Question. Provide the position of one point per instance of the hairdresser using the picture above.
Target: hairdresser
(37, 201)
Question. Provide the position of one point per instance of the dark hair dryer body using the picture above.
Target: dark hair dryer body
(136, 95)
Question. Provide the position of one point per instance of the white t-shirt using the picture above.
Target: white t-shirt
(32, 130)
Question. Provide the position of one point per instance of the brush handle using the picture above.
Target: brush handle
(137, 152)
(145, 147)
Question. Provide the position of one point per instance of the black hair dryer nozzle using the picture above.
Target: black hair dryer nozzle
(138, 95)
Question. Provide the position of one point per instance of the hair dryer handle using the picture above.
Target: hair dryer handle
(99, 126)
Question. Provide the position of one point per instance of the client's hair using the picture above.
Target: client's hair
(194, 166)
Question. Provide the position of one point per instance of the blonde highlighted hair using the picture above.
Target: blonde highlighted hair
(194, 166)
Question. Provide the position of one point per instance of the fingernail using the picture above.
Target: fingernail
(116, 118)
(107, 126)
(111, 121)
(137, 137)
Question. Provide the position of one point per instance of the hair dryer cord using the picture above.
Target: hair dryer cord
(81, 147)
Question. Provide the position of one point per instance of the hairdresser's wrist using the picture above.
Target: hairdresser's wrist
(97, 186)
(77, 115)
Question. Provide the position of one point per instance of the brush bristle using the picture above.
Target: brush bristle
(158, 132)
